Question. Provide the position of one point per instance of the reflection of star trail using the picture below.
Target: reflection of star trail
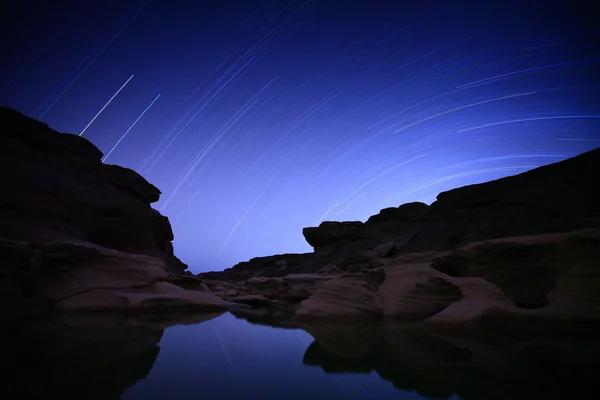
(281, 114)
(229, 361)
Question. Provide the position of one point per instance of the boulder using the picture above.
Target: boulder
(331, 232)
(388, 249)
(415, 211)
(416, 292)
(341, 298)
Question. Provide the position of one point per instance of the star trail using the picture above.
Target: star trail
(258, 118)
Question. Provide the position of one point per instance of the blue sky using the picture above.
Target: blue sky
(258, 118)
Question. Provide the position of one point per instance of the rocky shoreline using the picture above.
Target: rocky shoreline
(77, 235)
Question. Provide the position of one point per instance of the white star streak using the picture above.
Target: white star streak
(187, 206)
(464, 107)
(95, 58)
(491, 78)
(195, 114)
(107, 103)
(456, 176)
(512, 121)
(239, 222)
(127, 131)
(297, 122)
(213, 141)
(348, 205)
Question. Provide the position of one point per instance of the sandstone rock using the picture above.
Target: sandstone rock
(225, 290)
(330, 269)
(73, 267)
(188, 282)
(253, 300)
(341, 298)
(406, 212)
(131, 182)
(160, 296)
(387, 249)
(81, 276)
(478, 299)
(330, 232)
(526, 268)
(415, 291)
(301, 286)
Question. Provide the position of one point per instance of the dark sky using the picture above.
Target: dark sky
(258, 118)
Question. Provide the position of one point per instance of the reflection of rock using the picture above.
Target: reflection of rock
(79, 356)
(439, 366)
(345, 339)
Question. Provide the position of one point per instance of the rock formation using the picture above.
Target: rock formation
(516, 253)
(55, 187)
(80, 235)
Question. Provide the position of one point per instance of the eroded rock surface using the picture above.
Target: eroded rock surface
(82, 276)
(521, 250)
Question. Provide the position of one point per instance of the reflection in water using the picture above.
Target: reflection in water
(78, 356)
(439, 366)
(114, 357)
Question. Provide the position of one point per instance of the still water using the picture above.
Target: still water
(223, 357)
(228, 358)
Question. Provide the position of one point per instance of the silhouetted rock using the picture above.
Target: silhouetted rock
(331, 232)
(80, 235)
(406, 212)
(507, 255)
(55, 187)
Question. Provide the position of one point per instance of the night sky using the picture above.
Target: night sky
(258, 118)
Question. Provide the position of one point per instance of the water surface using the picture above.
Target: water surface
(229, 358)
(223, 357)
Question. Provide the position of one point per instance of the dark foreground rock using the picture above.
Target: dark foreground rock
(80, 235)
(55, 187)
(517, 252)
